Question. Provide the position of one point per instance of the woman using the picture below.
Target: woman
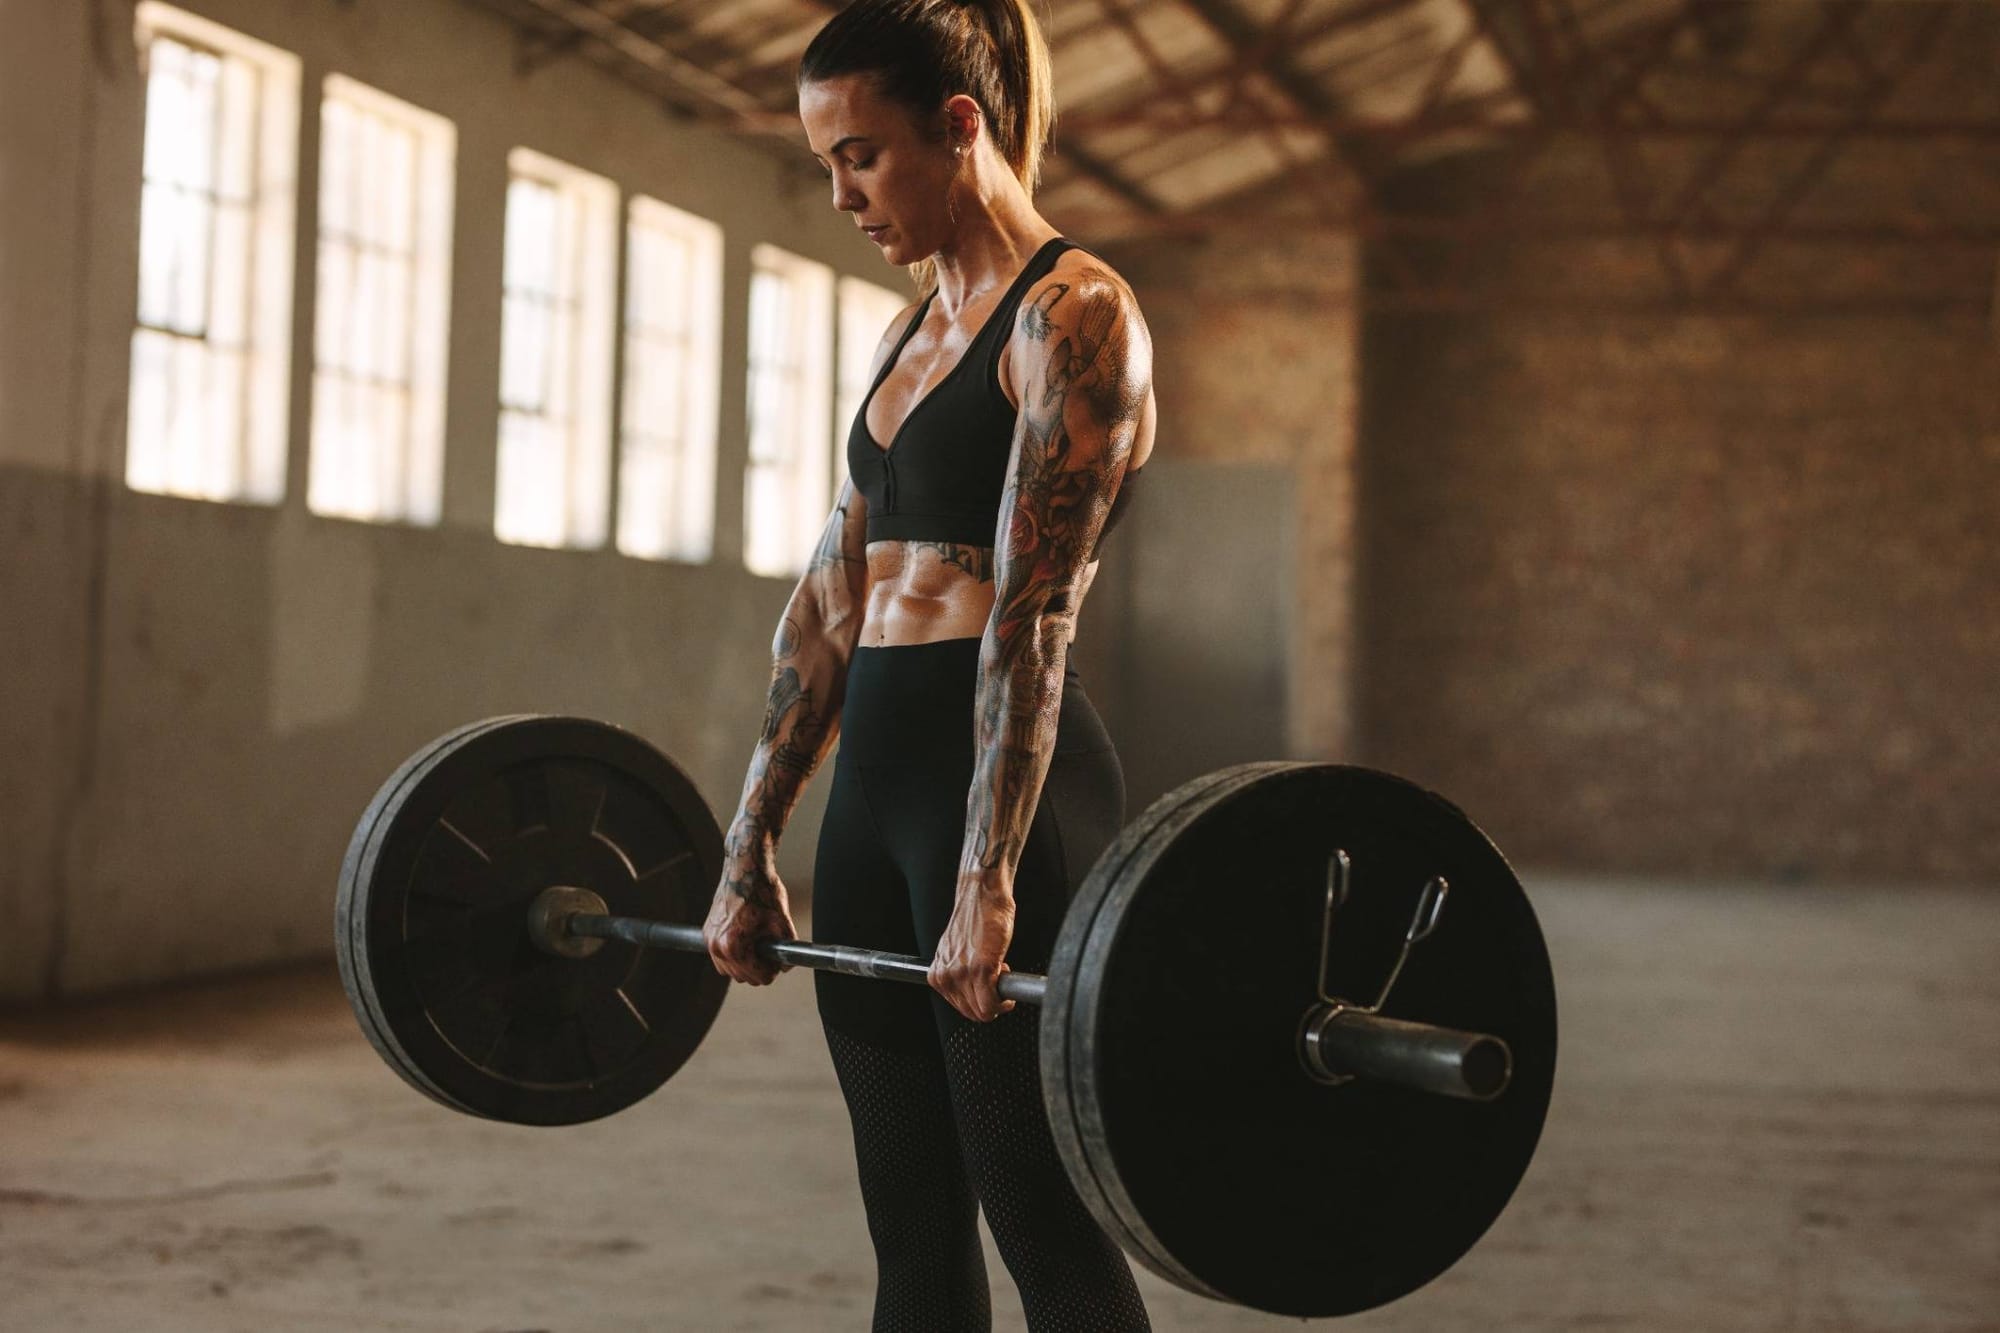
(1011, 408)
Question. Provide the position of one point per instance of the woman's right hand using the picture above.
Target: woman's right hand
(750, 906)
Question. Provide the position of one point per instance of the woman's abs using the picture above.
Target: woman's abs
(924, 591)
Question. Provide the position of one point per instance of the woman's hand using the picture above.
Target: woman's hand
(750, 906)
(972, 954)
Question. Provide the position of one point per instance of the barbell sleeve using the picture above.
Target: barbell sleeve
(1339, 1043)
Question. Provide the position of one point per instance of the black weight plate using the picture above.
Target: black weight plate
(349, 925)
(432, 919)
(1054, 1042)
(1205, 1136)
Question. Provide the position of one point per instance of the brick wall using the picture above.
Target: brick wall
(1690, 594)
(1255, 359)
(1711, 591)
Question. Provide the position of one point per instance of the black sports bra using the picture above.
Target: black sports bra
(941, 477)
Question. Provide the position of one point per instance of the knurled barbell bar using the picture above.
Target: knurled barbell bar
(507, 932)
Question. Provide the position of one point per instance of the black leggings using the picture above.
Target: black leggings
(947, 1113)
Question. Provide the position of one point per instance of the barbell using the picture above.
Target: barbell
(513, 925)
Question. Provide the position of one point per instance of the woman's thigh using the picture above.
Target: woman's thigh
(903, 780)
(922, 812)
(859, 899)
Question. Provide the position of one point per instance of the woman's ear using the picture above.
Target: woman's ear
(962, 121)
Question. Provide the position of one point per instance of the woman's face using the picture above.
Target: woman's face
(885, 171)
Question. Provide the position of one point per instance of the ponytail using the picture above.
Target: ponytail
(1029, 82)
(924, 51)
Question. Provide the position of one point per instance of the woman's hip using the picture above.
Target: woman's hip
(915, 703)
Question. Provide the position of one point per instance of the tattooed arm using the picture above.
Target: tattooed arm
(809, 657)
(1083, 367)
(810, 653)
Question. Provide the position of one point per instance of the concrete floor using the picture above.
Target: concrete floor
(1776, 1109)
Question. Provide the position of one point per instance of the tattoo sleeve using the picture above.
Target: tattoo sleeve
(810, 653)
(1085, 368)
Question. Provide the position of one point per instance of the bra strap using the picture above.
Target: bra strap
(1039, 266)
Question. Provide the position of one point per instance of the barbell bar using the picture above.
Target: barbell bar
(1338, 1041)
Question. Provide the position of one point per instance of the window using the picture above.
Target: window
(673, 353)
(557, 321)
(785, 496)
(385, 197)
(866, 310)
(210, 390)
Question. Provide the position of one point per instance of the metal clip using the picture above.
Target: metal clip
(1338, 868)
(1339, 876)
(1430, 906)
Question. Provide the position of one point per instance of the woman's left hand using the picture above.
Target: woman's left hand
(972, 954)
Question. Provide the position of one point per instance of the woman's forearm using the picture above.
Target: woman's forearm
(1014, 732)
(801, 723)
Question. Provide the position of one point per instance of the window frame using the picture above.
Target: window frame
(575, 370)
(252, 173)
(408, 487)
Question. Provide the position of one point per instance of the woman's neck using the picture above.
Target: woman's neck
(999, 231)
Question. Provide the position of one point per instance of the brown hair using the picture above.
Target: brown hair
(921, 52)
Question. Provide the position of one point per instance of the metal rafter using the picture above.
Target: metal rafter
(1229, 79)
(1239, 33)
(707, 96)
(1372, 222)
(1280, 31)
(540, 48)
(1181, 94)
(1168, 79)
(699, 93)
(1620, 113)
(1481, 113)
(1880, 82)
(1097, 169)
(1574, 80)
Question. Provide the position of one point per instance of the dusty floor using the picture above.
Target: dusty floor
(1775, 1110)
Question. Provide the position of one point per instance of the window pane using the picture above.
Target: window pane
(672, 361)
(530, 509)
(557, 322)
(530, 237)
(211, 345)
(381, 325)
(229, 285)
(791, 336)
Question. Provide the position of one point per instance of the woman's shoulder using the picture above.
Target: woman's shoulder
(1078, 267)
(1079, 281)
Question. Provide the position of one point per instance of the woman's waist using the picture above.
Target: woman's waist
(913, 698)
(929, 673)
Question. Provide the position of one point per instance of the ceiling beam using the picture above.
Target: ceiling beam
(1096, 168)
(541, 48)
(1241, 34)
(718, 94)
